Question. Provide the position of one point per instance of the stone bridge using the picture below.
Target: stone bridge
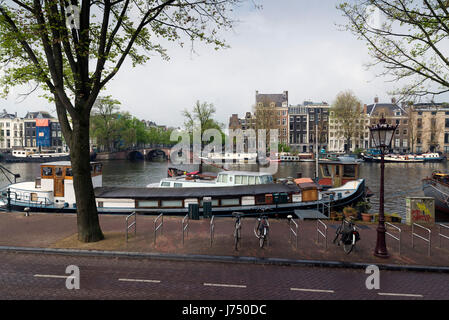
(153, 153)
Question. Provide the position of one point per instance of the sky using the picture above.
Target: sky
(288, 45)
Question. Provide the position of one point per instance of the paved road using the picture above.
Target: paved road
(42, 276)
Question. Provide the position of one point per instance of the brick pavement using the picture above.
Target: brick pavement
(59, 231)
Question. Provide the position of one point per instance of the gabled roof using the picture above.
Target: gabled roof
(267, 99)
(370, 109)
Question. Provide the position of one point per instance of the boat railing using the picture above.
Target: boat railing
(398, 238)
(133, 224)
(185, 227)
(440, 234)
(27, 199)
(158, 226)
(293, 230)
(428, 240)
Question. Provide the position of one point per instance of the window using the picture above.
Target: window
(171, 203)
(238, 179)
(251, 180)
(446, 137)
(68, 172)
(58, 172)
(419, 123)
(244, 179)
(230, 202)
(148, 203)
(47, 171)
(446, 123)
(165, 184)
(177, 185)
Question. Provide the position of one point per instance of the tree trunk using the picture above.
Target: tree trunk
(87, 216)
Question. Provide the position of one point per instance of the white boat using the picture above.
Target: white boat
(223, 179)
(233, 157)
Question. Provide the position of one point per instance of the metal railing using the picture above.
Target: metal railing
(325, 204)
(293, 232)
(421, 237)
(133, 224)
(440, 235)
(159, 226)
(185, 227)
(212, 230)
(319, 232)
(393, 236)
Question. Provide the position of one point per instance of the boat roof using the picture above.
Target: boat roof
(248, 173)
(62, 163)
(338, 162)
(194, 192)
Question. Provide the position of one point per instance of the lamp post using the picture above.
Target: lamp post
(381, 137)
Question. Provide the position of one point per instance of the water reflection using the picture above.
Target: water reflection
(401, 179)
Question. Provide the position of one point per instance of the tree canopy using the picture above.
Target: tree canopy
(408, 38)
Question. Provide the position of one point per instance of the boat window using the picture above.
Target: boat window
(33, 196)
(349, 171)
(148, 203)
(224, 178)
(244, 179)
(58, 172)
(214, 202)
(178, 185)
(251, 180)
(337, 171)
(238, 179)
(230, 202)
(98, 168)
(47, 171)
(165, 184)
(68, 172)
(257, 180)
(219, 178)
(171, 203)
(326, 170)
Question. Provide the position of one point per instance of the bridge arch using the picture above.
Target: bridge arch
(135, 155)
(156, 155)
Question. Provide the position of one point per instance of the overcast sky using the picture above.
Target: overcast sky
(291, 45)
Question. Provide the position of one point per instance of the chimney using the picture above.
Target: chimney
(393, 100)
(376, 99)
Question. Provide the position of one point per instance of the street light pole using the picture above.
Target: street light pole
(381, 246)
(382, 135)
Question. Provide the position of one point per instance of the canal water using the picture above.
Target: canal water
(401, 179)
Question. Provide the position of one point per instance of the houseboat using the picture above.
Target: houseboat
(232, 157)
(437, 186)
(245, 192)
(22, 155)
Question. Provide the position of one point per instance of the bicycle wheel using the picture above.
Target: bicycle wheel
(348, 247)
(337, 234)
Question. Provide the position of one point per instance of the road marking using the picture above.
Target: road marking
(224, 285)
(140, 280)
(49, 276)
(400, 294)
(312, 290)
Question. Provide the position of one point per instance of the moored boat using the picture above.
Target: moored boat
(437, 186)
(249, 192)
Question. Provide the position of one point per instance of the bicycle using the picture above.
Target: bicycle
(237, 229)
(348, 234)
(261, 228)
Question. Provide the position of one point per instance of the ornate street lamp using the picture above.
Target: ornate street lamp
(381, 137)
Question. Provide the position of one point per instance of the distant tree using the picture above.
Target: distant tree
(347, 111)
(103, 122)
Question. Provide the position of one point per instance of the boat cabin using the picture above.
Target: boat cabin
(54, 186)
(336, 173)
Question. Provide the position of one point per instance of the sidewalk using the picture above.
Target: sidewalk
(58, 231)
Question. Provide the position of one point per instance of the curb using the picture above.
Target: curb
(228, 259)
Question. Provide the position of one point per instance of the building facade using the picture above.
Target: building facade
(429, 127)
(271, 112)
(298, 128)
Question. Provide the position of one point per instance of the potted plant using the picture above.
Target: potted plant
(363, 207)
(349, 212)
